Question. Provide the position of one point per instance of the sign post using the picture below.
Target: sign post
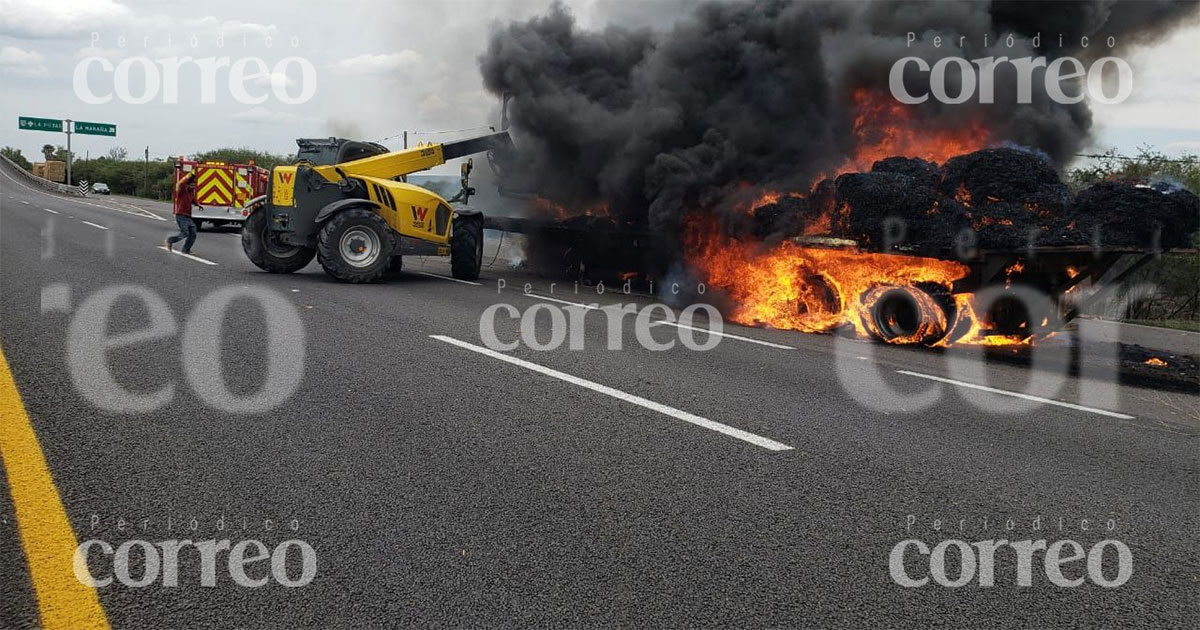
(30, 123)
(67, 126)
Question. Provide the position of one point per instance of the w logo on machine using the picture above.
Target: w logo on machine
(419, 214)
(85, 187)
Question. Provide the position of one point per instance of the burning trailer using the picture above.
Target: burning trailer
(758, 147)
(988, 248)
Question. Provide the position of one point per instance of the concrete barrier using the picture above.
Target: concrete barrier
(61, 189)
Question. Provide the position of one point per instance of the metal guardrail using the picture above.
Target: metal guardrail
(62, 189)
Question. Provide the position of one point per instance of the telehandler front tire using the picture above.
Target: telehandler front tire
(466, 247)
(356, 246)
(266, 252)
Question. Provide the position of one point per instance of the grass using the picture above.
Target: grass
(1177, 324)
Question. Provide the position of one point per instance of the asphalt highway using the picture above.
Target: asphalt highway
(763, 482)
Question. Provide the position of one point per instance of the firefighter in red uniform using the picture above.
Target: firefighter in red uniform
(184, 198)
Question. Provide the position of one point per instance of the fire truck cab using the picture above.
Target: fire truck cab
(223, 190)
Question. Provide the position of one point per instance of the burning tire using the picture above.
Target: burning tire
(919, 314)
(817, 297)
(264, 250)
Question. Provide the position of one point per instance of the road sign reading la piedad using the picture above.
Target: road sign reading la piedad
(39, 124)
(95, 129)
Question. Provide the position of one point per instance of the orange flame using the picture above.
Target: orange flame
(884, 127)
(815, 289)
(806, 288)
(547, 209)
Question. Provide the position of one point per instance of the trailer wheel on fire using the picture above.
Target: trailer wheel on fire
(923, 313)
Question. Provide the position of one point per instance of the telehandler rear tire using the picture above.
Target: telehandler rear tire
(266, 252)
(466, 247)
(356, 246)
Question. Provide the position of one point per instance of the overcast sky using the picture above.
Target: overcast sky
(381, 67)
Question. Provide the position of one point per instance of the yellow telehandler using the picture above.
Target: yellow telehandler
(345, 202)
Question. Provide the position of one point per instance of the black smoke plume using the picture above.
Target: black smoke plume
(657, 122)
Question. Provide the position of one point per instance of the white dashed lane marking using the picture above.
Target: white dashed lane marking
(725, 334)
(1004, 392)
(434, 275)
(711, 425)
(188, 256)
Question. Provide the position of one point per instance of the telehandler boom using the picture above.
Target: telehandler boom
(346, 202)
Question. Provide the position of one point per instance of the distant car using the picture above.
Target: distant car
(100, 188)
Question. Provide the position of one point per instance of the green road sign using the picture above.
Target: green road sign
(95, 129)
(40, 124)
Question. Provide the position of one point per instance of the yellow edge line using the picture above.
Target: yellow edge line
(46, 535)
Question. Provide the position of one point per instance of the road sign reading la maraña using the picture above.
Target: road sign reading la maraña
(39, 124)
(95, 129)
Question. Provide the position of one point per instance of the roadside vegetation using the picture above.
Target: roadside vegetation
(1176, 303)
(127, 175)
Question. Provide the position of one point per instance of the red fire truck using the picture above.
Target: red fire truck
(223, 190)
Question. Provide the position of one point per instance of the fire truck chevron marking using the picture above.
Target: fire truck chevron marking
(214, 186)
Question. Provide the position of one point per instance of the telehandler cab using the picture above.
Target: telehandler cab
(346, 203)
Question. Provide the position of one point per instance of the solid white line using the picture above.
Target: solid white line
(756, 440)
(50, 211)
(426, 273)
(96, 225)
(590, 307)
(1048, 401)
(723, 334)
(195, 258)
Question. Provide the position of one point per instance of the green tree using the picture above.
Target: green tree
(118, 153)
(60, 154)
(1148, 165)
(243, 155)
(1177, 275)
(15, 155)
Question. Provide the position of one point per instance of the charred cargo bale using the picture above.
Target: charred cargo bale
(939, 230)
(1004, 225)
(995, 176)
(1133, 215)
(893, 209)
(924, 172)
(823, 202)
(782, 218)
